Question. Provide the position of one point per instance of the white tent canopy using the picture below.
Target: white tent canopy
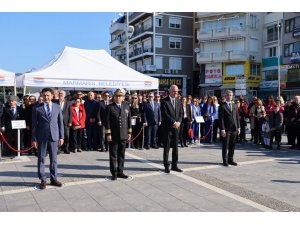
(7, 78)
(82, 68)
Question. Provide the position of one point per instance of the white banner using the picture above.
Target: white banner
(239, 92)
(213, 73)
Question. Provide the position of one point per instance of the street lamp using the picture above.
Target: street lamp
(278, 56)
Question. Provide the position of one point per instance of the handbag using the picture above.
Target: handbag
(76, 127)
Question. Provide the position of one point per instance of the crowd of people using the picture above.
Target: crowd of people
(56, 122)
(84, 120)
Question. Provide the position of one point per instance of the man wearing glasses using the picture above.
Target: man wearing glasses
(118, 131)
(152, 119)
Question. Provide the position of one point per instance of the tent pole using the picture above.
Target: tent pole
(24, 90)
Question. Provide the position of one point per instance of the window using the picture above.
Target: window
(233, 70)
(293, 75)
(158, 42)
(271, 75)
(272, 34)
(175, 63)
(288, 49)
(289, 25)
(255, 69)
(175, 22)
(158, 21)
(272, 52)
(175, 43)
(253, 21)
(147, 23)
(159, 62)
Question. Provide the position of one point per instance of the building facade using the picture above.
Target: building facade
(272, 36)
(230, 53)
(290, 70)
(161, 46)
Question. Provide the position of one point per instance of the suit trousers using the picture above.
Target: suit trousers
(65, 146)
(117, 157)
(228, 146)
(52, 147)
(91, 133)
(171, 138)
(150, 136)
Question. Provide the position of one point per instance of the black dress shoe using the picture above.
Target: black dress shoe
(43, 184)
(181, 145)
(67, 152)
(176, 169)
(113, 178)
(232, 163)
(122, 175)
(167, 170)
(147, 147)
(155, 147)
(225, 164)
(56, 183)
(185, 145)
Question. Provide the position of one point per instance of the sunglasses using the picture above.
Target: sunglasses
(134, 98)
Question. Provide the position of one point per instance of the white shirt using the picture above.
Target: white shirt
(50, 106)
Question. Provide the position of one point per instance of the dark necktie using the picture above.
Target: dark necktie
(173, 103)
(13, 110)
(230, 107)
(48, 111)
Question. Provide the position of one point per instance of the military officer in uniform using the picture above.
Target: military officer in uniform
(118, 131)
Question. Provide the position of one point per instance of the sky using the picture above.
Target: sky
(31, 39)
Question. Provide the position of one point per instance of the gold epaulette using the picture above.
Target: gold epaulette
(129, 130)
(107, 131)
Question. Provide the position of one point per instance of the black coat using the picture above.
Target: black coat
(188, 112)
(8, 116)
(118, 122)
(169, 115)
(228, 121)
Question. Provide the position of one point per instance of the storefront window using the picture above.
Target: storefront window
(293, 75)
(255, 69)
(271, 75)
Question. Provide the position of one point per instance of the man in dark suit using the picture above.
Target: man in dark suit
(67, 118)
(11, 112)
(47, 134)
(230, 128)
(101, 116)
(152, 119)
(118, 131)
(171, 111)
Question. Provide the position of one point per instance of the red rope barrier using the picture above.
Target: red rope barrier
(203, 138)
(132, 139)
(12, 148)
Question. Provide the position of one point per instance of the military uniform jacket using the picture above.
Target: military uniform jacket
(118, 122)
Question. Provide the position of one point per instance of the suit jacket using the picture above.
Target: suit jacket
(118, 121)
(169, 115)
(8, 116)
(44, 128)
(101, 112)
(66, 112)
(152, 117)
(276, 120)
(228, 121)
(188, 109)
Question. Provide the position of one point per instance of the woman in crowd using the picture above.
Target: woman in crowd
(78, 123)
(216, 119)
(209, 110)
(269, 105)
(257, 112)
(186, 122)
(242, 114)
(195, 126)
(136, 110)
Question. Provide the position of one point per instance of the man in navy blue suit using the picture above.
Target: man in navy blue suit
(47, 134)
(152, 119)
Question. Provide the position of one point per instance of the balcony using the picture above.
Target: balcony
(220, 56)
(117, 28)
(221, 32)
(204, 34)
(139, 52)
(237, 31)
(117, 43)
(209, 14)
(238, 56)
(148, 68)
(204, 57)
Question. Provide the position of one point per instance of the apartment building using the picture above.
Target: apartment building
(161, 46)
(272, 37)
(230, 52)
(291, 55)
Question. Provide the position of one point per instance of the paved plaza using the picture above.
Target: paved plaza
(265, 180)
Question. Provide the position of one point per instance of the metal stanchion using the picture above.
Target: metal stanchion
(143, 137)
(19, 144)
(1, 144)
(212, 129)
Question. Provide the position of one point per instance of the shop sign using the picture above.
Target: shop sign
(295, 57)
(229, 79)
(213, 73)
(166, 82)
(296, 32)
